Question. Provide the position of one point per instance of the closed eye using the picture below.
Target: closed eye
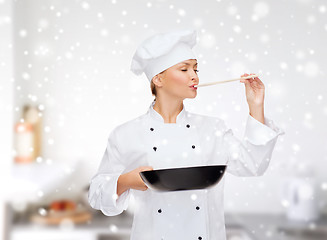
(194, 70)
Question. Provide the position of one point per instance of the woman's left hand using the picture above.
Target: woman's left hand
(254, 89)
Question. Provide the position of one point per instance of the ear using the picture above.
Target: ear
(158, 80)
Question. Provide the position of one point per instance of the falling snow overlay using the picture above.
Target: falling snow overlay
(71, 60)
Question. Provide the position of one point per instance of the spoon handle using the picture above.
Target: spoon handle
(218, 82)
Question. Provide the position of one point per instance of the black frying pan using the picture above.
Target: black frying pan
(186, 178)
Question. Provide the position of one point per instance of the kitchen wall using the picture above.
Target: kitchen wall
(72, 59)
(6, 106)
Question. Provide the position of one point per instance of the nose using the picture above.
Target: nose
(195, 79)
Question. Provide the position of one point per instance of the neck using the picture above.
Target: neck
(168, 109)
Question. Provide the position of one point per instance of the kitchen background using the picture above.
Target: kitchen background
(66, 83)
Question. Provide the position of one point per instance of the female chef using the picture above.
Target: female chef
(168, 136)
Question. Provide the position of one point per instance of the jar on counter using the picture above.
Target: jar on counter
(31, 114)
(24, 142)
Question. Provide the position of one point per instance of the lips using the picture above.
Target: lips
(192, 86)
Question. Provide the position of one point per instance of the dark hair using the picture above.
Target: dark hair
(153, 89)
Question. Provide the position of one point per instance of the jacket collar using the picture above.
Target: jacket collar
(156, 116)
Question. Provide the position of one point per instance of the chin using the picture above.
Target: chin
(193, 96)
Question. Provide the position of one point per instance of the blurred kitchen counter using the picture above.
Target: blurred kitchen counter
(278, 227)
(101, 227)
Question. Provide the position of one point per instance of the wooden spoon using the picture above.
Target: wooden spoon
(218, 82)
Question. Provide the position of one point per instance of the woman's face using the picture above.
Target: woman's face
(178, 79)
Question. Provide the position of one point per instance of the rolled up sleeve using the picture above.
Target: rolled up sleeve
(102, 193)
(252, 155)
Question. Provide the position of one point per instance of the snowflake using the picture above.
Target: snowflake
(311, 19)
(197, 22)
(322, 9)
(40, 193)
(22, 33)
(283, 65)
(264, 38)
(113, 228)
(208, 40)
(194, 196)
(232, 10)
(237, 29)
(42, 211)
(50, 141)
(181, 12)
(311, 69)
(85, 5)
(324, 186)
(115, 196)
(261, 9)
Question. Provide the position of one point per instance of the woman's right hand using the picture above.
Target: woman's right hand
(132, 179)
(135, 179)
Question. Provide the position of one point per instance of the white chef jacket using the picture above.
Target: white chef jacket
(194, 140)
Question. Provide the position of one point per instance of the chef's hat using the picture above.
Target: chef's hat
(163, 50)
